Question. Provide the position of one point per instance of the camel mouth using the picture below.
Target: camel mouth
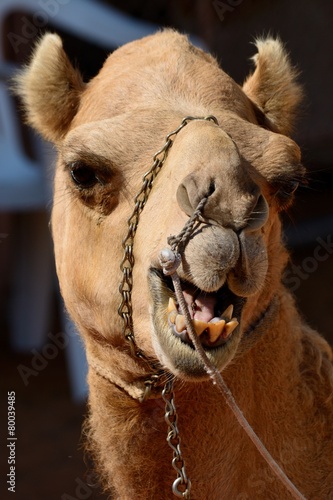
(215, 315)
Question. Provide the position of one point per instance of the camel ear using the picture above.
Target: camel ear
(50, 89)
(273, 86)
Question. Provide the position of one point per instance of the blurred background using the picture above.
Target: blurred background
(41, 356)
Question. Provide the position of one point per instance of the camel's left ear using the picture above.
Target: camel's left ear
(50, 89)
(273, 86)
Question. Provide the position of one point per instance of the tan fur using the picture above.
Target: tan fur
(50, 89)
(274, 82)
(279, 373)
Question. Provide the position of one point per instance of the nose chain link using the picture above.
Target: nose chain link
(182, 485)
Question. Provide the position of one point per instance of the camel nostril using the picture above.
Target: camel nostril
(259, 214)
(211, 188)
(184, 200)
(260, 206)
(190, 192)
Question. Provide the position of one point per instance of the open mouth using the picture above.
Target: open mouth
(215, 315)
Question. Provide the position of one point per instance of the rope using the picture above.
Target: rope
(170, 260)
(181, 240)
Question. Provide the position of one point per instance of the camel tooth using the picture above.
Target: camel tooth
(199, 326)
(180, 323)
(172, 305)
(228, 312)
(215, 320)
(215, 330)
(172, 316)
(230, 327)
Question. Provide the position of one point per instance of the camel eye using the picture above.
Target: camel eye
(284, 193)
(286, 190)
(83, 175)
(291, 188)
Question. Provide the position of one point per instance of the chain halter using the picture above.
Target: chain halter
(125, 309)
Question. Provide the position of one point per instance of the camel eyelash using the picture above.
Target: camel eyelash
(285, 187)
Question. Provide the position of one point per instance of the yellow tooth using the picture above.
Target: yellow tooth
(229, 327)
(228, 312)
(215, 330)
(172, 316)
(199, 326)
(172, 305)
(180, 323)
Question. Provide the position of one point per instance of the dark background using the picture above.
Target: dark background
(50, 460)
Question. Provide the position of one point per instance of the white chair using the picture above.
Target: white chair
(89, 20)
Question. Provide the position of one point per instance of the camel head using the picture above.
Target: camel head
(243, 162)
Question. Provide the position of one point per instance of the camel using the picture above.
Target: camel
(218, 161)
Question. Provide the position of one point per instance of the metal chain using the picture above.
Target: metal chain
(125, 309)
(181, 487)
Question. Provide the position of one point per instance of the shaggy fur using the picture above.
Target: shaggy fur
(274, 72)
(279, 370)
(52, 75)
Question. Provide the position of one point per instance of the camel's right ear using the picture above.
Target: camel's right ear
(50, 89)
